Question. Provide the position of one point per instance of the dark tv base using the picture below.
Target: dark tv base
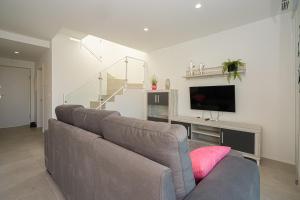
(242, 137)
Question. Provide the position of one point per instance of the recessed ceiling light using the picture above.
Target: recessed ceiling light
(16, 52)
(198, 5)
(146, 29)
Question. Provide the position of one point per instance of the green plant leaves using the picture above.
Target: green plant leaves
(154, 80)
(235, 73)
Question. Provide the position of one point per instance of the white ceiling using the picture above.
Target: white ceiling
(27, 51)
(169, 21)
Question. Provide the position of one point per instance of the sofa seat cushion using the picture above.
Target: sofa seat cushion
(204, 159)
(91, 119)
(161, 142)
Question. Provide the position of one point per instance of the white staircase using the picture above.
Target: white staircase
(115, 88)
(118, 87)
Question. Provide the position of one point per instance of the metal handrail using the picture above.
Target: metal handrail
(123, 58)
(90, 51)
(109, 98)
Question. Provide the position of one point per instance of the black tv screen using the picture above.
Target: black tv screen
(213, 98)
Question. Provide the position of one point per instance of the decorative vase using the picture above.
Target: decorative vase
(167, 84)
(154, 87)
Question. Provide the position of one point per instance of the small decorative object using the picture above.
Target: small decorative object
(191, 67)
(202, 66)
(232, 69)
(154, 82)
(167, 84)
(188, 72)
(194, 71)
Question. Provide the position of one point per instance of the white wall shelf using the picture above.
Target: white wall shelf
(212, 72)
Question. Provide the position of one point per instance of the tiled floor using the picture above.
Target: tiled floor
(23, 175)
(22, 169)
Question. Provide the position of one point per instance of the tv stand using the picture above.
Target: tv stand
(243, 137)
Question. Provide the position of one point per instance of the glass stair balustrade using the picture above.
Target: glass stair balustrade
(126, 73)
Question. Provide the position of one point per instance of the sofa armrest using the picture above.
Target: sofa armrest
(123, 174)
(47, 152)
(233, 178)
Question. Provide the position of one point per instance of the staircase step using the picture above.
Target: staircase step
(94, 104)
(135, 86)
(111, 92)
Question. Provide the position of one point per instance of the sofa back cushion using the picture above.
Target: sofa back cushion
(160, 142)
(91, 119)
(64, 113)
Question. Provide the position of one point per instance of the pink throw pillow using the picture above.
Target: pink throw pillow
(204, 159)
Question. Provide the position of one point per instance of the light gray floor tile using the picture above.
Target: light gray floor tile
(23, 175)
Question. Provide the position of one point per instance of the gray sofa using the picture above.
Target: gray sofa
(95, 155)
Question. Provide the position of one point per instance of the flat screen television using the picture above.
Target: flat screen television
(213, 98)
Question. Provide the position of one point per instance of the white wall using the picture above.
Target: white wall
(29, 65)
(297, 66)
(46, 64)
(73, 66)
(266, 94)
(130, 104)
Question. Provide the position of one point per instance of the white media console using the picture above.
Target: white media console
(243, 137)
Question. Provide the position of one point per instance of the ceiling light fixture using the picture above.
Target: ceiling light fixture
(74, 39)
(198, 5)
(16, 52)
(146, 29)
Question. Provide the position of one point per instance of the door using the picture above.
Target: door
(238, 140)
(163, 98)
(14, 96)
(158, 98)
(151, 98)
(39, 94)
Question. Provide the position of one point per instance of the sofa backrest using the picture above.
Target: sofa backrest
(160, 142)
(64, 113)
(87, 119)
(91, 119)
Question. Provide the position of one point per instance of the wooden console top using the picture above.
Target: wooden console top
(239, 126)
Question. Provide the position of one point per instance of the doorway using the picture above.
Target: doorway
(40, 95)
(15, 94)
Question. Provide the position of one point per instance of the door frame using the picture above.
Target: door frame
(297, 95)
(40, 109)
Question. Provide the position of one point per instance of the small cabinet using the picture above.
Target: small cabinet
(158, 98)
(161, 105)
(238, 140)
(187, 127)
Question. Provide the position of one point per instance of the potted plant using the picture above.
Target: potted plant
(232, 69)
(154, 82)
